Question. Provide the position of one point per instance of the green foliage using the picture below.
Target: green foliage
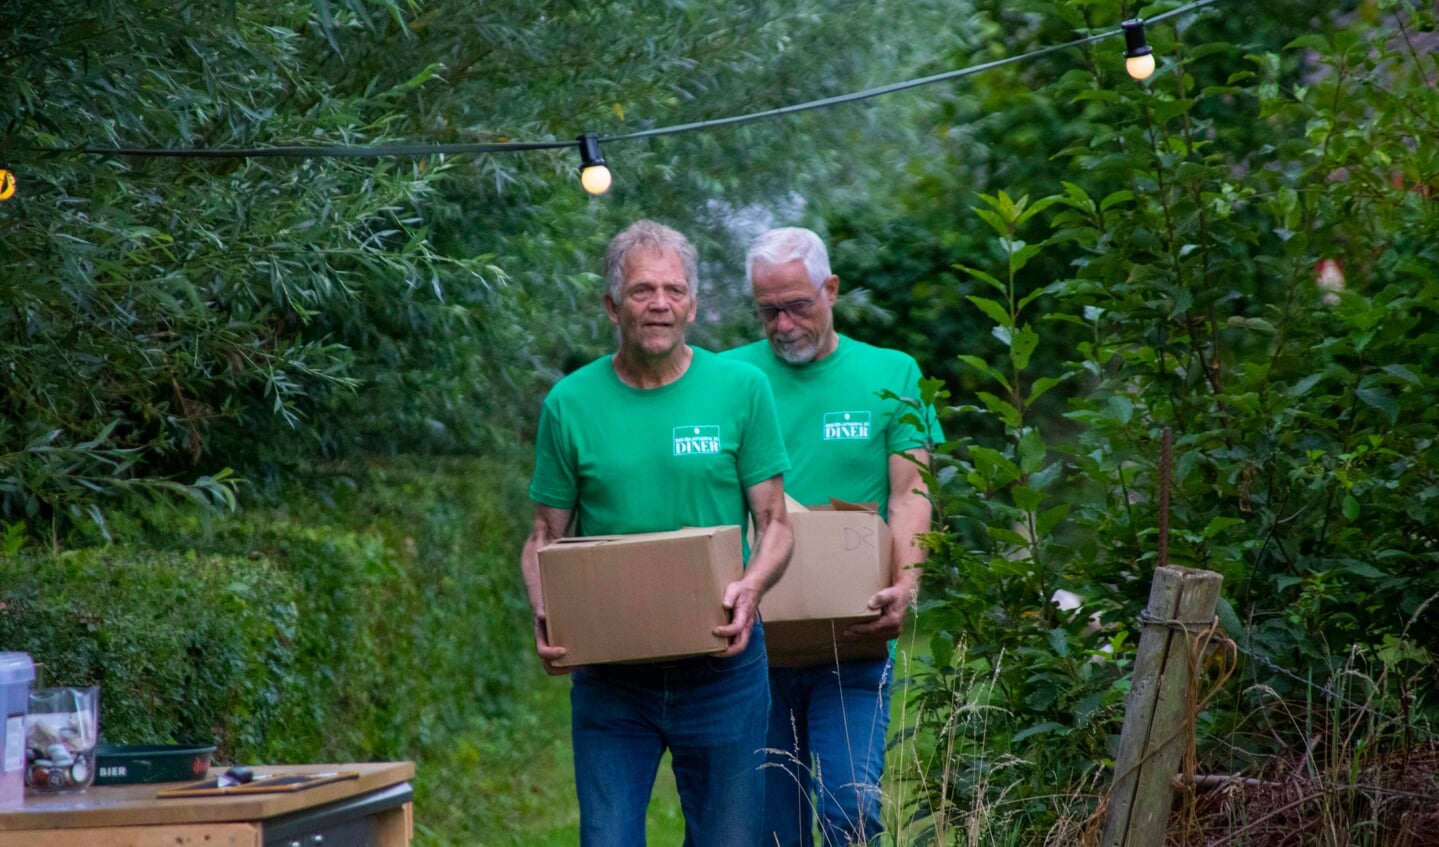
(1190, 221)
(411, 603)
(186, 648)
(380, 625)
(163, 319)
(1010, 670)
(213, 330)
(1303, 417)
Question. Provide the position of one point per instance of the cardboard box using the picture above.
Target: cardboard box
(842, 554)
(805, 644)
(626, 598)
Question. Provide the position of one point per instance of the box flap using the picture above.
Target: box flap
(639, 537)
(584, 539)
(837, 505)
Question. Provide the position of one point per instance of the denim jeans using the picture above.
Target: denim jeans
(710, 713)
(826, 753)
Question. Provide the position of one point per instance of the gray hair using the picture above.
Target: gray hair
(779, 246)
(647, 235)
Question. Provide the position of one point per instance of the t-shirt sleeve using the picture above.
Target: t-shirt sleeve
(555, 482)
(903, 434)
(762, 454)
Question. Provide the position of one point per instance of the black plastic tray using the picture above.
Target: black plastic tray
(130, 764)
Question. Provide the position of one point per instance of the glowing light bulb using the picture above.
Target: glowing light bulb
(594, 176)
(1138, 55)
(596, 179)
(1140, 67)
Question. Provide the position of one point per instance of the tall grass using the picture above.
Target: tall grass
(1334, 767)
(912, 815)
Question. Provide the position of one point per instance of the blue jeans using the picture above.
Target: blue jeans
(826, 753)
(710, 713)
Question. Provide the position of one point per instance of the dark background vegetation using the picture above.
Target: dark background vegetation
(263, 424)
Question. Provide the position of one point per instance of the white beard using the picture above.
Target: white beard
(797, 352)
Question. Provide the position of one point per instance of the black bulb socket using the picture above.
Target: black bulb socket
(1134, 42)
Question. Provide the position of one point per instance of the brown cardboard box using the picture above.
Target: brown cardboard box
(805, 644)
(621, 598)
(841, 558)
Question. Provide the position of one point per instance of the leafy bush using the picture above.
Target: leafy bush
(380, 625)
(416, 605)
(162, 319)
(186, 648)
(1192, 225)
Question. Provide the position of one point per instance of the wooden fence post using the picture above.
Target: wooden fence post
(1181, 603)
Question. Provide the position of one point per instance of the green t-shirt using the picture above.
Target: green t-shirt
(839, 431)
(650, 460)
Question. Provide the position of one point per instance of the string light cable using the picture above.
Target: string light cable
(595, 175)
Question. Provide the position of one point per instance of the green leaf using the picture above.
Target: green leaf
(1167, 110)
(1032, 451)
(1365, 570)
(1039, 729)
(983, 277)
(1035, 208)
(1059, 642)
(1311, 41)
(1042, 385)
(1228, 619)
(1021, 256)
(985, 368)
(995, 221)
(992, 464)
(1257, 324)
(1119, 408)
(1402, 372)
(941, 649)
(1038, 293)
(1051, 517)
(1005, 535)
(1115, 198)
(1003, 409)
(1378, 398)
(1305, 385)
(1026, 498)
(1219, 524)
(1023, 345)
(1076, 197)
(993, 309)
(932, 391)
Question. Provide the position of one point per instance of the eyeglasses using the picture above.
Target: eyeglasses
(796, 309)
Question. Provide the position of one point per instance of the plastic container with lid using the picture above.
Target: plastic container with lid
(17, 673)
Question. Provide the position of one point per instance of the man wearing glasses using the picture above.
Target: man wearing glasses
(616, 453)
(847, 441)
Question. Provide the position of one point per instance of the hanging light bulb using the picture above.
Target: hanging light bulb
(594, 176)
(1138, 55)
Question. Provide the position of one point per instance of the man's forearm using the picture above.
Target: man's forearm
(909, 517)
(549, 524)
(773, 546)
(530, 570)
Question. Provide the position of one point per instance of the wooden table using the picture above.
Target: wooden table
(132, 816)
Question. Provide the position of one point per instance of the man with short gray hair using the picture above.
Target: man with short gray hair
(828, 722)
(607, 462)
